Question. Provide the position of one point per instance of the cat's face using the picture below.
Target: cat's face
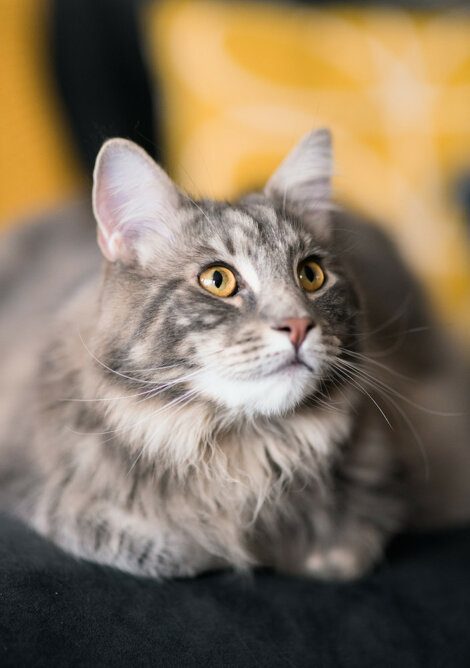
(243, 305)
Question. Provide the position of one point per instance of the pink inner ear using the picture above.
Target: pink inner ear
(112, 247)
(131, 195)
(109, 237)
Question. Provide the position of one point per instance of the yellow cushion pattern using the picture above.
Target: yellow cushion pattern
(37, 166)
(243, 81)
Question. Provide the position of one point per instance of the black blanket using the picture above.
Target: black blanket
(57, 611)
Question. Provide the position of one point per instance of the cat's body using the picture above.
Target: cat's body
(168, 431)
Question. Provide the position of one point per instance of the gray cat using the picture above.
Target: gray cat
(256, 383)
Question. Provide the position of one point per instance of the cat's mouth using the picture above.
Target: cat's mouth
(293, 365)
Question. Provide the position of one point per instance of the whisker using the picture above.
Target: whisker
(158, 387)
(360, 387)
(128, 427)
(98, 399)
(171, 384)
(410, 426)
(367, 359)
(381, 385)
(200, 209)
(184, 403)
(105, 366)
(393, 318)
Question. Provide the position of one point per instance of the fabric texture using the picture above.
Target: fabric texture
(57, 611)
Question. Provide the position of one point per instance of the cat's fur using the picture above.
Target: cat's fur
(165, 431)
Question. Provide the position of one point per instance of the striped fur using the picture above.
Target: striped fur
(169, 431)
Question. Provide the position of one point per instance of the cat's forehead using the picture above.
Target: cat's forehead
(252, 229)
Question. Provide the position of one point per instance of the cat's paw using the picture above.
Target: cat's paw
(338, 563)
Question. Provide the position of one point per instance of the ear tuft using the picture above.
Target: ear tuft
(302, 182)
(132, 197)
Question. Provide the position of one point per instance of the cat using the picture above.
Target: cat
(256, 383)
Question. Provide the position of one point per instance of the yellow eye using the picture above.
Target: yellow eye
(219, 281)
(310, 275)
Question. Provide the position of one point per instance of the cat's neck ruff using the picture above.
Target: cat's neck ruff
(182, 435)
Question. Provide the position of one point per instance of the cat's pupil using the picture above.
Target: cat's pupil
(217, 278)
(309, 273)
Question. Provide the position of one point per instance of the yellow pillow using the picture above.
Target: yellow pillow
(37, 163)
(243, 81)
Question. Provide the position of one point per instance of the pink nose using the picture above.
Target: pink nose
(297, 329)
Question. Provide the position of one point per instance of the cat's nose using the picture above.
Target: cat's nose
(296, 328)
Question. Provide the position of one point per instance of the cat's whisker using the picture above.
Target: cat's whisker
(187, 399)
(134, 379)
(404, 416)
(155, 368)
(172, 383)
(207, 355)
(368, 360)
(347, 375)
(325, 402)
(339, 389)
(105, 366)
(102, 399)
(360, 387)
(162, 409)
(199, 208)
(181, 401)
(152, 394)
(158, 386)
(414, 433)
(401, 310)
(380, 385)
(398, 340)
(184, 364)
(406, 419)
(131, 426)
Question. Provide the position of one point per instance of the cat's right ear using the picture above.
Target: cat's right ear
(302, 182)
(133, 198)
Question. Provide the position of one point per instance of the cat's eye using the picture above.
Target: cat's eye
(219, 281)
(311, 275)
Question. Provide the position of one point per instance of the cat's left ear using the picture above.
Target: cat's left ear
(302, 182)
(133, 198)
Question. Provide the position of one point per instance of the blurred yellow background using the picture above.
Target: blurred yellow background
(38, 167)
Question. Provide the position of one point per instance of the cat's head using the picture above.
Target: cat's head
(244, 305)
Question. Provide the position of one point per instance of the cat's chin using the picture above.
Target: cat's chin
(277, 393)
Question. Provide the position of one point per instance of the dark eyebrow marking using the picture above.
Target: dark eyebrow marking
(229, 245)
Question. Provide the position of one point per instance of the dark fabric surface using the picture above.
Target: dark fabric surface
(56, 611)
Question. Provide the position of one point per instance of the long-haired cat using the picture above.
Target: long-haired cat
(248, 383)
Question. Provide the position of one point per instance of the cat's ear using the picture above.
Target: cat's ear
(132, 198)
(302, 182)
